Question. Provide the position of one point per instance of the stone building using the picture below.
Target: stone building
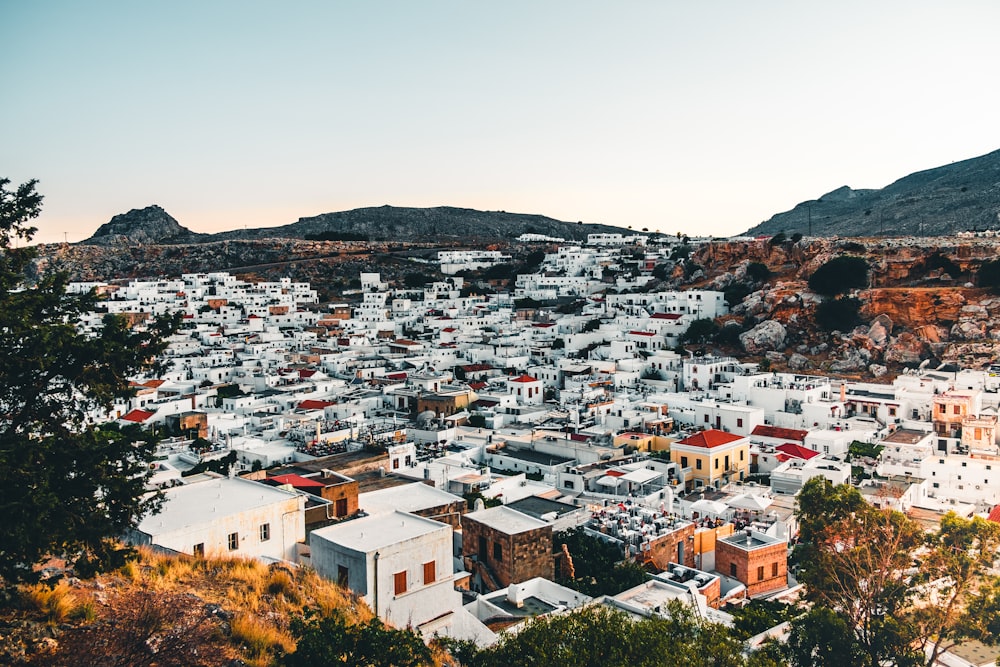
(758, 561)
(502, 546)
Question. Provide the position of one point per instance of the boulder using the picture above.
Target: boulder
(968, 331)
(768, 335)
(798, 362)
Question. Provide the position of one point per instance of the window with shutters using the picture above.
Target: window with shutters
(399, 583)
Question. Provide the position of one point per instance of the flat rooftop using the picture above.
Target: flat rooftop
(538, 507)
(378, 532)
(754, 541)
(208, 499)
(506, 520)
(531, 456)
(410, 497)
(905, 436)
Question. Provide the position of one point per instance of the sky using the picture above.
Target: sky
(704, 117)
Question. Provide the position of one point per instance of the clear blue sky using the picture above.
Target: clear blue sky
(704, 117)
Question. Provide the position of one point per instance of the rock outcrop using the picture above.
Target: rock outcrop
(140, 225)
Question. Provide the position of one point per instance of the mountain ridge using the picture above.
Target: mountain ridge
(960, 196)
(154, 225)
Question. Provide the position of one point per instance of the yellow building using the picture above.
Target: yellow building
(711, 458)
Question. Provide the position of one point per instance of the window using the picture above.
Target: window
(399, 582)
(430, 573)
(409, 460)
(739, 422)
(732, 569)
(199, 550)
(741, 455)
(936, 485)
(340, 507)
(716, 464)
(964, 464)
(989, 467)
(774, 569)
(760, 572)
(234, 541)
(342, 575)
(497, 551)
(706, 419)
(567, 484)
(684, 462)
(697, 464)
(956, 409)
(892, 412)
(942, 409)
(395, 464)
(265, 532)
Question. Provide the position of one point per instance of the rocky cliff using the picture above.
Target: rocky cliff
(921, 304)
(937, 202)
(141, 225)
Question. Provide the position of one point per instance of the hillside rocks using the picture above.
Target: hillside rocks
(768, 335)
(140, 225)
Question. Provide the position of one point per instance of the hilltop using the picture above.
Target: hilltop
(154, 225)
(941, 201)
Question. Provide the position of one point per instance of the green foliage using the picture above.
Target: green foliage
(758, 272)
(331, 640)
(796, 237)
(760, 615)
(600, 635)
(591, 325)
(662, 271)
(66, 485)
(558, 344)
(599, 568)
(821, 638)
(472, 497)
(416, 280)
(477, 421)
(680, 252)
(864, 449)
(729, 335)
(839, 275)
(778, 238)
(500, 272)
(735, 293)
(534, 258)
(527, 303)
(220, 466)
(841, 314)
(700, 331)
(989, 276)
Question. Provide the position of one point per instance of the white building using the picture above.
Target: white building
(227, 516)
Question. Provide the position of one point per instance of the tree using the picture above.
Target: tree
(330, 640)
(598, 567)
(839, 275)
(962, 556)
(66, 485)
(989, 276)
(600, 635)
(855, 559)
(821, 638)
(841, 314)
(758, 272)
(700, 331)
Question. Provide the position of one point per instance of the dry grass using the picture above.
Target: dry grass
(260, 639)
(54, 603)
(259, 600)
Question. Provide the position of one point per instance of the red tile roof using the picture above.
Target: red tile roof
(297, 481)
(312, 404)
(995, 514)
(138, 416)
(641, 333)
(666, 316)
(778, 432)
(524, 378)
(710, 438)
(797, 451)
(476, 386)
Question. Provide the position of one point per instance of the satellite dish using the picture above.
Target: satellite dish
(426, 416)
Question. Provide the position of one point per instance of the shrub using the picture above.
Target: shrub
(758, 272)
(989, 276)
(839, 275)
(838, 314)
(700, 331)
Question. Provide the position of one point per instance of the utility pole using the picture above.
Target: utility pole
(809, 209)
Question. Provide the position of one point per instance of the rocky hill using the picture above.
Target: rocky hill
(141, 225)
(921, 304)
(154, 225)
(937, 202)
